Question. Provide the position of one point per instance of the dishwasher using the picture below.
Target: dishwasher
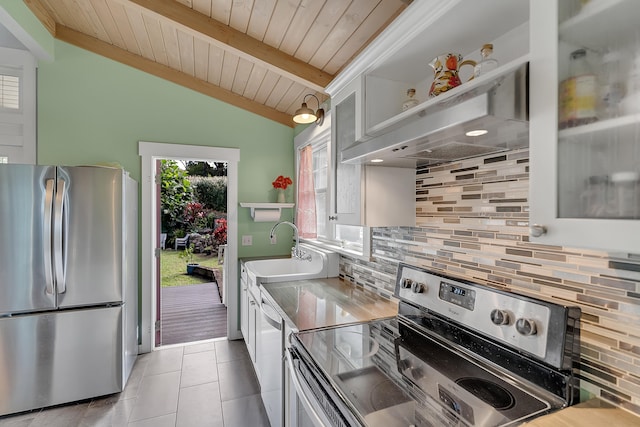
(270, 345)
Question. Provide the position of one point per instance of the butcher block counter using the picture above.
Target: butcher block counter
(318, 303)
(592, 413)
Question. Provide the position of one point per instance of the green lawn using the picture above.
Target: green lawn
(173, 269)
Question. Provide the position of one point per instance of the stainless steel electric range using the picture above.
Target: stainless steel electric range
(458, 354)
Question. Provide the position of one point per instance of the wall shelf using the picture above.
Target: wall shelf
(266, 212)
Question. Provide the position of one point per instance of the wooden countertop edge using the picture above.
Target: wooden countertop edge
(592, 413)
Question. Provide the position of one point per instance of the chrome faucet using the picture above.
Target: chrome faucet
(296, 252)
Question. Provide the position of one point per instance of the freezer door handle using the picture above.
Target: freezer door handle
(58, 236)
(48, 212)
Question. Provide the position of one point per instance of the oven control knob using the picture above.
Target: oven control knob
(417, 288)
(406, 283)
(526, 327)
(500, 317)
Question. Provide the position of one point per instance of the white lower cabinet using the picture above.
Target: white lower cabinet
(244, 303)
(249, 316)
(270, 351)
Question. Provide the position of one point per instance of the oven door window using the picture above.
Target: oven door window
(361, 367)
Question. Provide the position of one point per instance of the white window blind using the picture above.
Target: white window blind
(9, 91)
(4, 159)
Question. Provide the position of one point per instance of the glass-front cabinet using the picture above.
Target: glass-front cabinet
(585, 124)
(346, 204)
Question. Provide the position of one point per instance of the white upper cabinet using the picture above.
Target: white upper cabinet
(373, 196)
(585, 124)
(399, 58)
(367, 98)
(346, 182)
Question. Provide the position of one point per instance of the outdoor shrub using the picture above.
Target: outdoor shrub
(220, 232)
(195, 216)
(211, 219)
(175, 193)
(211, 192)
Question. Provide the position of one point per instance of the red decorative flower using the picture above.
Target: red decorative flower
(282, 182)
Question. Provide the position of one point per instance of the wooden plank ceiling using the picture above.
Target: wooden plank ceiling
(261, 55)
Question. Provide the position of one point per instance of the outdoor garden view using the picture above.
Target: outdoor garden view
(193, 199)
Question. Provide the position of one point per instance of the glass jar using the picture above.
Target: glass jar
(411, 101)
(578, 93)
(631, 102)
(487, 63)
(626, 187)
(595, 197)
(612, 87)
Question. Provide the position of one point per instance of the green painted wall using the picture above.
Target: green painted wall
(22, 15)
(92, 109)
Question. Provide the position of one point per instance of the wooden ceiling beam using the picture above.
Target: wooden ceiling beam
(115, 53)
(240, 43)
(42, 14)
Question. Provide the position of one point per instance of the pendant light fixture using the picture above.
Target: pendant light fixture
(305, 114)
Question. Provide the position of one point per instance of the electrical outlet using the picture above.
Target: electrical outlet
(274, 240)
(247, 240)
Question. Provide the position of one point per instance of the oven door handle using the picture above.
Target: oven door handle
(314, 412)
(265, 307)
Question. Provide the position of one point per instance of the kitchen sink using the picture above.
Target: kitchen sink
(321, 264)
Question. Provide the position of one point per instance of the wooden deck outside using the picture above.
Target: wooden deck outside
(192, 313)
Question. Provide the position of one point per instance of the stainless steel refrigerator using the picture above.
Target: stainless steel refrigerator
(68, 283)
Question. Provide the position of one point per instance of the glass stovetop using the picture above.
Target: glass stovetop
(391, 375)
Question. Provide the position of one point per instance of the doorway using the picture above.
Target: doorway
(192, 233)
(150, 152)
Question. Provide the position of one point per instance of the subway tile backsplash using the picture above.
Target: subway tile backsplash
(472, 222)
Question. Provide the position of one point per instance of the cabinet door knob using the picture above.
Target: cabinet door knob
(333, 217)
(537, 230)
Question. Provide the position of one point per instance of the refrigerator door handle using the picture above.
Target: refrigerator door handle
(48, 260)
(58, 236)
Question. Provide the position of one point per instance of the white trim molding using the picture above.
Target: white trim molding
(150, 152)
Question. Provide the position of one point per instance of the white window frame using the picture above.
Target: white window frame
(18, 127)
(318, 137)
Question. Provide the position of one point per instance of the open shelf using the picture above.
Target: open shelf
(621, 16)
(266, 212)
(618, 123)
(481, 84)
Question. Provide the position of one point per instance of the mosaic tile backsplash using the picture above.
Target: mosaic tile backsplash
(472, 222)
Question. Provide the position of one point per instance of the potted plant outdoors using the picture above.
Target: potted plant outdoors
(187, 254)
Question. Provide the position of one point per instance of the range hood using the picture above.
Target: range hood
(436, 132)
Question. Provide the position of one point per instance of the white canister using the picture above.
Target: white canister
(626, 188)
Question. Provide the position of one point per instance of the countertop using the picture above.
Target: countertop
(592, 413)
(317, 303)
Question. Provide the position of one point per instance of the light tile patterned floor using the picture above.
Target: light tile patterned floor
(208, 384)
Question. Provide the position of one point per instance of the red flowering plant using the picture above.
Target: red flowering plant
(282, 182)
(195, 215)
(220, 232)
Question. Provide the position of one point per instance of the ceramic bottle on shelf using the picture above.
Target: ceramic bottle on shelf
(487, 63)
(411, 101)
